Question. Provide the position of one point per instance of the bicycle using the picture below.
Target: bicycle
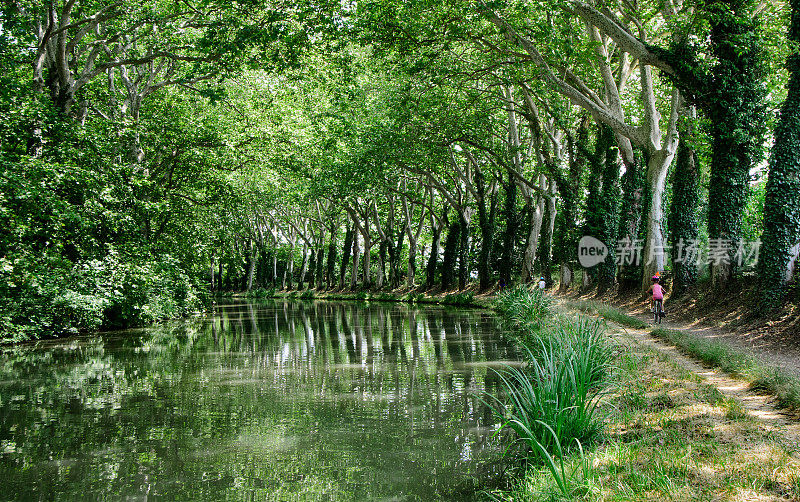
(658, 311)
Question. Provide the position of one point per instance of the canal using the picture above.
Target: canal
(270, 400)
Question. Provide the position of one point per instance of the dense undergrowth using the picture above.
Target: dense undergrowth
(51, 296)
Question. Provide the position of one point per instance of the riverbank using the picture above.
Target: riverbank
(669, 433)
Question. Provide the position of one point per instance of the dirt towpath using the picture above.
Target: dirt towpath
(757, 404)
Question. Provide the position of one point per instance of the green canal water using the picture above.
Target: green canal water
(259, 401)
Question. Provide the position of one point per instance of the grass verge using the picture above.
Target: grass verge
(665, 435)
(608, 312)
(551, 402)
(776, 381)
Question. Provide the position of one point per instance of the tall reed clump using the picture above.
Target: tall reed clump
(551, 402)
(526, 310)
(559, 387)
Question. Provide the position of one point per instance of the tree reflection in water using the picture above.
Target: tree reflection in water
(277, 400)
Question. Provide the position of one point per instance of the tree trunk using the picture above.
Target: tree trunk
(545, 254)
(251, 267)
(634, 183)
(593, 211)
(261, 269)
(486, 224)
(451, 253)
(356, 251)
(684, 212)
(654, 256)
(510, 213)
(274, 268)
(565, 234)
(331, 262)
(320, 264)
(367, 261)
(213, 281)
(303, 268)
(412, 262)
(312, 266)
(433, 258)
(463, 252)
(735, 107)
(782, 200)
(381, 275)
(346, 249)
(537, 215)
(395, 249)
(610, 205)
(290, 267)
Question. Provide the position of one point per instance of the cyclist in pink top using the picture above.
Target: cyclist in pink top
(658, 298)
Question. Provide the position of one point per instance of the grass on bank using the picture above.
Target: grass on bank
(608, 312)
(776, 381)
(665, 435)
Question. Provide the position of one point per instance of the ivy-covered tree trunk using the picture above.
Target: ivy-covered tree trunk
(565, 235)
(211, 271)
(303, 268)
(486, 224)
(633, 188)
(546, 245)
(274, 268)
(355, 253)
(346, 247)
(380, 276)
(395, 251)
(367, 279)
(320, 263)
(782, 199)
(312, 266)
(509, 236)
(735, 106)
(684, 212)
(593, 209)
(451, 253)
(608, 207)
(411, 272)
